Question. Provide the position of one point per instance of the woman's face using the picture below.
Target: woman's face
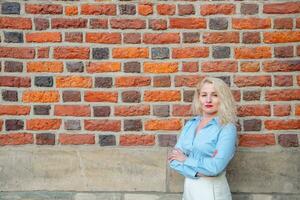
(209, 99)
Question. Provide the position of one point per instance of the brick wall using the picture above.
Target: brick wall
(109, 74)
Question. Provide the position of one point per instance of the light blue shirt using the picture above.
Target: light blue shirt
(199, 148)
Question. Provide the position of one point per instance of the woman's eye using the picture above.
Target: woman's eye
(215, 95)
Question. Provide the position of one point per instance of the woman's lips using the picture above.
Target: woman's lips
(208, 106)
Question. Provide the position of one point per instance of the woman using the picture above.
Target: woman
(207, 143)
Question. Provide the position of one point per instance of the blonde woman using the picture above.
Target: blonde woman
(207, 143)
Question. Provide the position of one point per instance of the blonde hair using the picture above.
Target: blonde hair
(227, 108)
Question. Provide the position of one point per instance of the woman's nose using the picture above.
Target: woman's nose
(208, 98)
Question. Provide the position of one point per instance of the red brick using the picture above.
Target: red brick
(91, 96)
(161, 81)
(102, 125)
(73, 82)
(104, 38)
(16, 139)
(132, 38)
(160, 67)
(43, 37)
(43, 124)
(256, 140)
(14, 110)
(221, 37)
(128, 23)
(132, 81)
(15, 23)
(297, 110)
(44, 9)
(158, 24)
(58, 23)
(298, 23)
(288, 140)
(282, 37)
(130, 52)
(282, 124)
(166, 95)
(17, 52)
(43, 52)
(186, 9)
(167, 124)
(76, 138)
(137, 140)
(99, 23)
(161, 38)
(190, 67)
(138, 110)
(73, 37)
(214, 9)
(71, 53)
(14, 81)
(187, 80)
(284, 52)
(145, 9)
(246, 81)
(253, 53)
(250, 66)
(100, 67)
(166, 9)
(254, 110)
(281, 66)
(282, 8)
(281, 110)
(71, 10)
(182, 110)
(190, 52)
(283, 95)
(298, 80)
(236, 95)
(251, 23)
(251, 37)
(72, 110)
(283, 23)
(40, 96)
(188, 23)
(219, 66)
(283, 80)
(93, 9)
(45, 66)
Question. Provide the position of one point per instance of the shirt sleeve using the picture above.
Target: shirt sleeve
(212, 166)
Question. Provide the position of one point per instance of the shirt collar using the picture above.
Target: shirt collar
(214, 120)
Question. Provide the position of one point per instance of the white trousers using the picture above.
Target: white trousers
(207, 188)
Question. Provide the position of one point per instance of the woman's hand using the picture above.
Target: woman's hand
(176, 154)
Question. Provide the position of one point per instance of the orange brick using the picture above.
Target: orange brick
(297, 110)
(137, 140)
(282, 124)
(187, 80)
(251, 23)
(167, 124)
(281, 110)
(72, 110)
(162, 67)
(90, 96)
(190, 52)
(102, 125)
(100, 67)
(40, 96)
(132, 81)
(104, 38)
(254, 110)
(256, 140)
(104, 9)
(283, 95)
(43, 8)
(16, 139)
(188, 23)
(138, 110)
(43, 124)
(1, 124)
(71, 53)
(145, 9)
(219, 66)
(247, 81)
(71, 10)
(282, 37)
(15, 23)
(14, 110)
(236, 95)
(41, 37)
(250, 67)
(130, 52)
(166, 9)
(253, 53)
(214, 9)
(45, 66)
(282, 8)
(76, 138)
(170, 95)
(182, 110)
(73, 82)
(161, 38)
(221, 37)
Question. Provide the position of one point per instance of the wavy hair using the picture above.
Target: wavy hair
(227, 107)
